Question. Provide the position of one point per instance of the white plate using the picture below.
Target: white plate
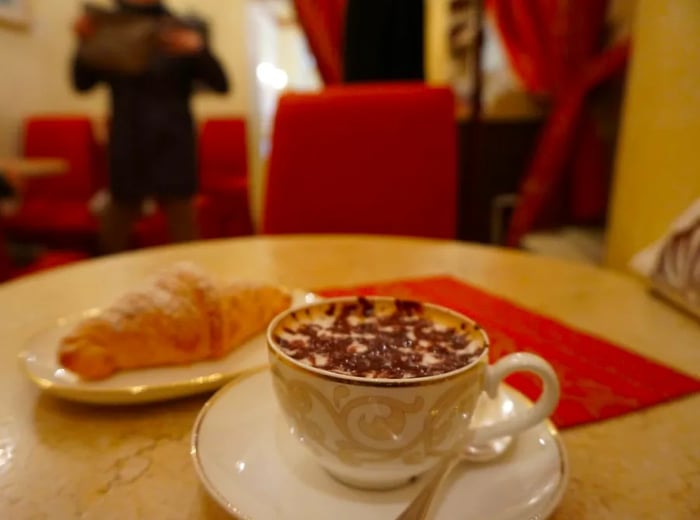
(39, 360)
(251, 465)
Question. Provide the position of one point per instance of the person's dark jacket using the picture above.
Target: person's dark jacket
(152, 134)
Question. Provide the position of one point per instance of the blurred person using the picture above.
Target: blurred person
(152, 132)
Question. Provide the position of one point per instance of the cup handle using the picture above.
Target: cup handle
(518, 362)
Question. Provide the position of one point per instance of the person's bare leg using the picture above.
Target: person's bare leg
(116, 223)
(181, 217)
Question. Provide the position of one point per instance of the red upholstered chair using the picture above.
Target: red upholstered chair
(223, 174)
(223, 155)
(222, 203)
(54, 209)
(364, 159)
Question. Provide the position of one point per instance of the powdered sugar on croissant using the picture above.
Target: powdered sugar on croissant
(180, 317)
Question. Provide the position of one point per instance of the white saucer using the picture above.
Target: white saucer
(253, 467)
(40, 363)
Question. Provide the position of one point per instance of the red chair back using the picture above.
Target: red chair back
(364, 159)
(223, 153)
(68, 138)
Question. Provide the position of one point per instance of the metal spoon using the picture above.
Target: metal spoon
(487, 412)
(420, 506)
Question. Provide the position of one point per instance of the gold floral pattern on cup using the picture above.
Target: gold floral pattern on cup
(359, 425)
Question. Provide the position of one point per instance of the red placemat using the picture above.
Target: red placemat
(598, 379)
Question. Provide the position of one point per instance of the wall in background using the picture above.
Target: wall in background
(277, 43)
(35, 64)
(502, 96)
(658, 163)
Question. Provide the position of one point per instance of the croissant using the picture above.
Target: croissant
(181, 317)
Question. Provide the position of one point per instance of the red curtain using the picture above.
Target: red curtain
(323, 22)
(548, 41)
(555, 46)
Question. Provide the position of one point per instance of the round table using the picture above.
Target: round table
(66, 460)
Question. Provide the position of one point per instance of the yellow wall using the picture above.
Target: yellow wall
(437, 52)
(34, 64)
(658, 164)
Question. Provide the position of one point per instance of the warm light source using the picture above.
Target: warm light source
(271, 76)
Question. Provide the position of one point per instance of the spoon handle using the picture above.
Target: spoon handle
(420, 506)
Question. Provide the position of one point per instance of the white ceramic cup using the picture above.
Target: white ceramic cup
(380, 433)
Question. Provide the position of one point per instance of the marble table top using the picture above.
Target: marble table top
(67, 460)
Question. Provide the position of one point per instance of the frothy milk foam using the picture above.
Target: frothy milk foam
(379, 339)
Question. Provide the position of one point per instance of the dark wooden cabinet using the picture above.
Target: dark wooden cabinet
(492, 159)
